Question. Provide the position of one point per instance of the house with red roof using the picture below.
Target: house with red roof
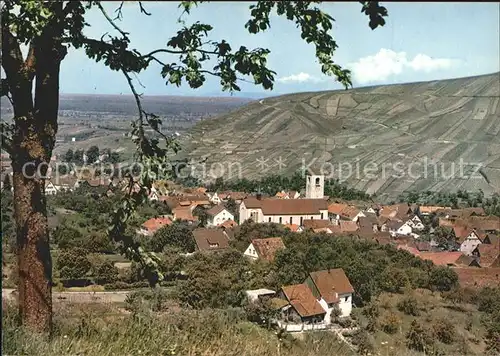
(264, 249)
(468, 238)
(217, 215)
(149, 227)
(301, 306)
(332, 289)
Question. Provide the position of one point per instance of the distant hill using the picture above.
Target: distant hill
(381, 127)
(125, 104)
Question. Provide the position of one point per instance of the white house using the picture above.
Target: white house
(264, 249)
(50, 188)
(468, 241)
(415, 223)
(217, 215)
(399, 228)
(333, 290)
(214, 198)
(153, 195)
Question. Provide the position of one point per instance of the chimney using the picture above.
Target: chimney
(259, 196)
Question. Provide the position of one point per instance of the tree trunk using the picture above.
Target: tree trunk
(33, 252)
(33, 138)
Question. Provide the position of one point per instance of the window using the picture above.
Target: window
(269, 219)
(281, 220)
(311, 217)
(317, 181)
(291, 220)
(301, 220)
(346, 299)
(321, 216)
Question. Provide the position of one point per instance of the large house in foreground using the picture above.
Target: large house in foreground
(333, 289)
(309, 306)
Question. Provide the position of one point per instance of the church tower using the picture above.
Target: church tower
(315, 187)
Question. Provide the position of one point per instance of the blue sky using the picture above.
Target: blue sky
(421, 41)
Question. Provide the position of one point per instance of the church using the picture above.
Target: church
(288, 211)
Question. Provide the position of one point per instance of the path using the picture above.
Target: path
(79, 297)
(339, 332)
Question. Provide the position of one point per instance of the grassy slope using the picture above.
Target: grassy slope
(80, 332)
(432, 307)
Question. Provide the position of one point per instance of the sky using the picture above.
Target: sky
(420, 42)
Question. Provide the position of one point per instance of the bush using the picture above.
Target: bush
(260, 312)
(364, 342)
(443, 279)
(335, 314)
(409, 306)
(444, 331)
(73, 263)
(154, 300)
(120, 285)
(390, 323)
(394, 280)
(417, 338)
(105, 272)
(345, 322)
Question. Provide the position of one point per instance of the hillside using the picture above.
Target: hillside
(384, 128)
(103, 120)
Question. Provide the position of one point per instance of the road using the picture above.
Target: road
(79, 297)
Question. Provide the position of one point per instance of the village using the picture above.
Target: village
(467, 240)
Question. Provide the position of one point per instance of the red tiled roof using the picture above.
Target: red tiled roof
(216, 210)
(330, 283)
(441, 258)
(184, 213)
(267, 248)
(485, 223)
(228, 224)
(465, 261)
(399, 211)
(446, 222)
(316, 223)
(349, 212)
(413, 250)
(336, 208)
(287, 206)
(348, 226)
(487, 254)
(154, 224)
(431, 209)
(292, 227)
(210, 239)
(302, 300)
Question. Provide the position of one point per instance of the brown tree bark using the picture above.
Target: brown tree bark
(33, 138)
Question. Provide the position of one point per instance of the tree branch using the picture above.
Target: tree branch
(118, 11)
(19, 83)
(111, 21)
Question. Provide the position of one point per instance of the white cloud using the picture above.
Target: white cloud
(387, 63)
(299, 78)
